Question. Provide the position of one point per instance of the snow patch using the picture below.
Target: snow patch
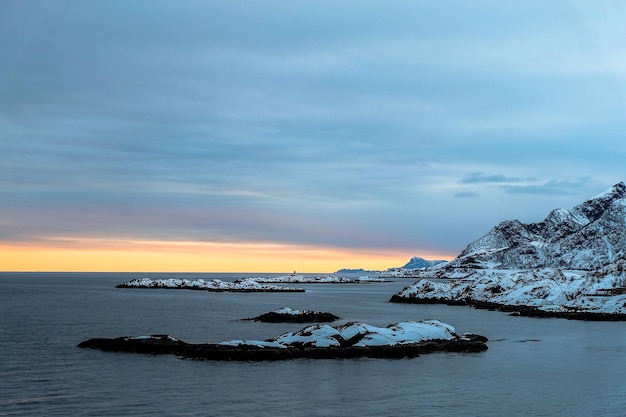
(322, 335)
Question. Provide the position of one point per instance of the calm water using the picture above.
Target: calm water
(534, 367)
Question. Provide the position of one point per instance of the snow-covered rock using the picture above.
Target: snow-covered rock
(324, 279)
(244, 285)
(351, 340)
(573, 294)
(363, 335)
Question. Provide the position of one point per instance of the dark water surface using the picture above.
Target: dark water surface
(534, 367)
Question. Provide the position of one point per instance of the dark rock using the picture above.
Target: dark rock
(306, 316)
(162, 345)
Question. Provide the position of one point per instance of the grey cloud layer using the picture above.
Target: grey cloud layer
(347, 124)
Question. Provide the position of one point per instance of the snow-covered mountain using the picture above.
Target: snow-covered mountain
(405, 271)
(410, 270)
(416, 262)
(587, 237)
(572, 264)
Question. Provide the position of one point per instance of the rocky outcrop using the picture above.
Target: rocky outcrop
(214, 285)
(352, 340)
(289, 315)
(545, 292)
(301, 279)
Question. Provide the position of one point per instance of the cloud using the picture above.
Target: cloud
(351, 124)
(465, 194)
(480, 177)
(565, 187)
(523, 185)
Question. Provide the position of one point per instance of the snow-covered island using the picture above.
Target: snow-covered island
(351, 340)
(216, 285)
(324, 279)
(290, 315)
(571, 265)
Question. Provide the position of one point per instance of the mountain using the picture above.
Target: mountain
(587, 237)
(416, 262)
(404, 271)
(351, 271)
(572, 265)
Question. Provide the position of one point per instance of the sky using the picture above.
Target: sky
(274, 136)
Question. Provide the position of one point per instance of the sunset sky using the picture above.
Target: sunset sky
(268, 136)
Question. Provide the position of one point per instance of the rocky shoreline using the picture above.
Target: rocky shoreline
(514, 310)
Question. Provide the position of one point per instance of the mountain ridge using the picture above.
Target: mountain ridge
(571, 265)
(582, 238)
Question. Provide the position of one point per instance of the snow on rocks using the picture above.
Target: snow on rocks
(244, 285)
(320, 335)
(365, 335)
(250, 284)
(351, 340)
(324, 279)
(399, 333)
(547, 292)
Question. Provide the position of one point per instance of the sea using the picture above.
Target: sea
(533, 367)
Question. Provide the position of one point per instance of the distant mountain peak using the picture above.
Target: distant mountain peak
(593, 208)
(417, 262)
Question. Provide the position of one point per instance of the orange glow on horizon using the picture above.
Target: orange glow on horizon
(92, 255)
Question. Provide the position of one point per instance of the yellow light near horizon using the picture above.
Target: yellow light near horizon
(93, 255)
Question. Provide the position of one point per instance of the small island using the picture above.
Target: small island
(324, 279)
(214, 285)
(351, 340)
(289, 315)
